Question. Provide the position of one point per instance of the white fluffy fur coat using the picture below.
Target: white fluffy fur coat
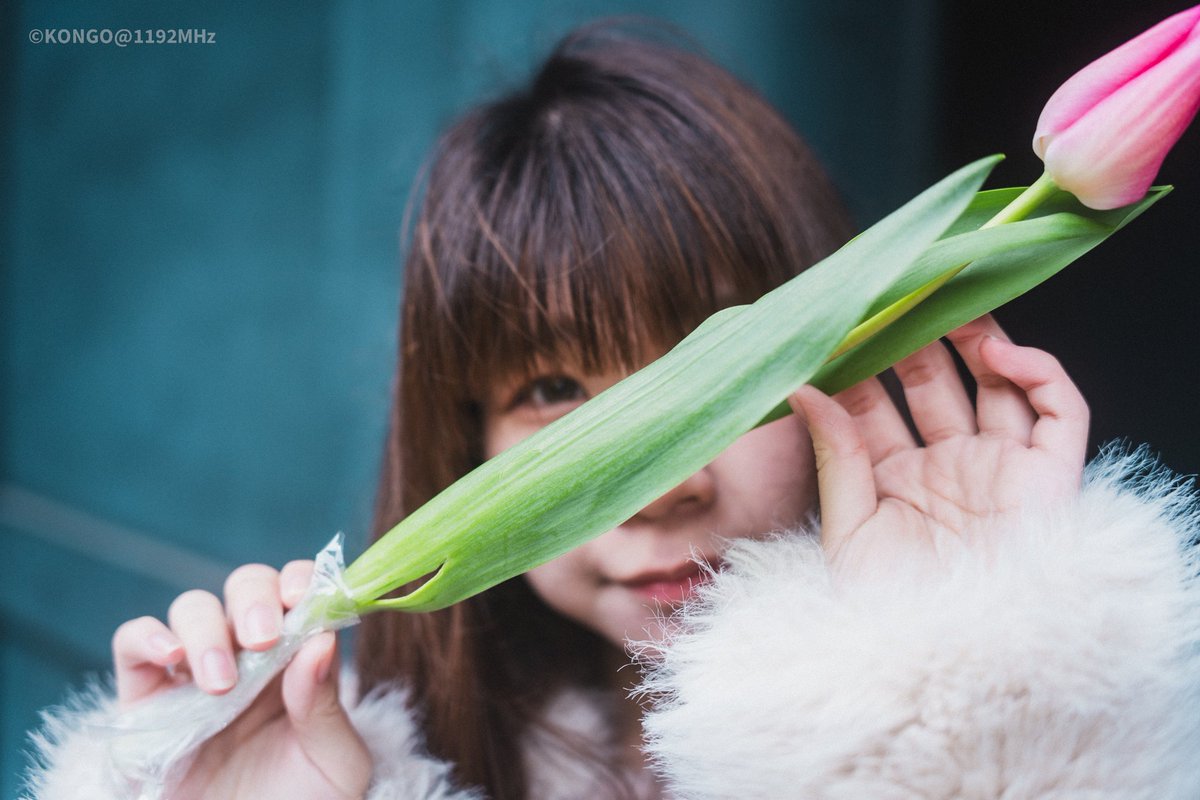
(1061, 662)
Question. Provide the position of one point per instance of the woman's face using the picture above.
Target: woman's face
(620, 584)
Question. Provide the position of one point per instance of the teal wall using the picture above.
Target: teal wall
(200, 251)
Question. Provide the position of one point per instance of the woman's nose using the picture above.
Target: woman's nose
(694, 494)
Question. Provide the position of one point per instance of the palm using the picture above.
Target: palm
(886, 498)
(937, 493)
(957, 482)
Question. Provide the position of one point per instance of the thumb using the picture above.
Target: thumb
(845, 477)
(324, 731)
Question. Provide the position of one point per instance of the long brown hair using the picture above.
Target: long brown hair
(632, 189)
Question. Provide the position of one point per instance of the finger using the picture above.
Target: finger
(310, 695)
(294, 579)
(1062, 424)
(143, 649)
(936, 398)
(266, 707)
(198, 620)
(1001, 407)
(878, 421)
(253, 605)
(845, 479)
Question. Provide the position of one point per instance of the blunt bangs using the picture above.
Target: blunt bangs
(598, 216)
(593, 218)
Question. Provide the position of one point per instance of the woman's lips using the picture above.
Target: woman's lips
(669, 587)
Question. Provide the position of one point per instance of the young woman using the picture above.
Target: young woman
(965, 620)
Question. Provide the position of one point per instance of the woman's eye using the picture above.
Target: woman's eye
(552, 390)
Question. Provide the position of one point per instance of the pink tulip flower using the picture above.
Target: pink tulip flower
(1105, 132)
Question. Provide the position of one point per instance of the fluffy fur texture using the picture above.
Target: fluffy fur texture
(69, 757)
(1060, 661)
(71, 762)
(403, 770)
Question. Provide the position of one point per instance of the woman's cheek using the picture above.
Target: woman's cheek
(501, 432)
(770, 473)
(562, 584)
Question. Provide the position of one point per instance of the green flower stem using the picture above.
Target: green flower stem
(1021, 207)
(326, 611)
(1026, 202)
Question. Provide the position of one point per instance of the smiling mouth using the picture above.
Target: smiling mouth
(672, 586)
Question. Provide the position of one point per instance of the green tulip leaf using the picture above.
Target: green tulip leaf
(989, 282)
(597, 466)
(594, 468)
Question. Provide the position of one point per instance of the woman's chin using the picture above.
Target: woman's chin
(646, 624)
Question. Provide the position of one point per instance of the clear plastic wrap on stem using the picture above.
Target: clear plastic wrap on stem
(152, 744)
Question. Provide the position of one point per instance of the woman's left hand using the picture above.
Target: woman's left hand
(884, 496)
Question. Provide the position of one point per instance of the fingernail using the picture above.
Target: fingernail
(219, 669)
(260, 625)
(164, 644)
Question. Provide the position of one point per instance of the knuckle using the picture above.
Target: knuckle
(1046, 364)
(847, 448)
(192, 600)
(1075, 407)
(990, 380)
(965, 332)
(249, 574)
(295, 577)
(1051, 364)
(299, 566)
(859, 400)
(939, 432)
(853, 447)
(920, 368)
(131, 629)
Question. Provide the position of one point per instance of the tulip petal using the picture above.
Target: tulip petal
(1107, 74)
(1110, 156)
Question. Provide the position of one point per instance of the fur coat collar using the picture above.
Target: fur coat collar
(1062, 662)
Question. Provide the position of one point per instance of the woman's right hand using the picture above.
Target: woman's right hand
(295, 741)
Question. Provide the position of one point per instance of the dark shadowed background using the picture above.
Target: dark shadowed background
(200, 259)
